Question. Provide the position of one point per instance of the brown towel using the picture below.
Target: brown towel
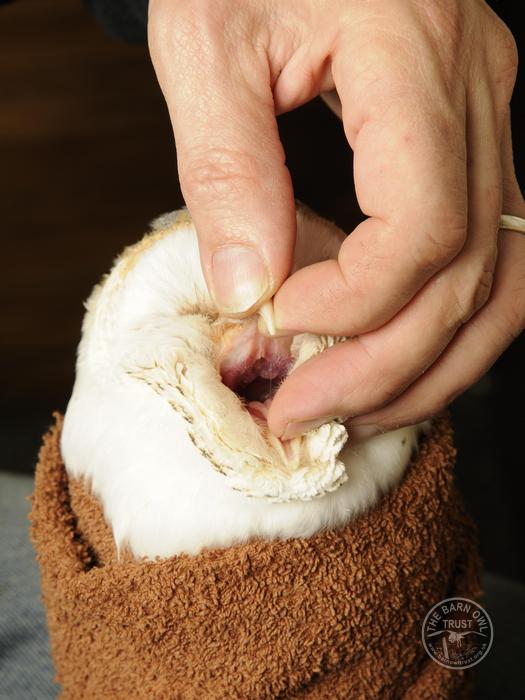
(335, 616)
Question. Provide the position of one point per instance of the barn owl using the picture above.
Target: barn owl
(167, 420)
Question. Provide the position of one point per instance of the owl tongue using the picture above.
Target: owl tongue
(251, 364)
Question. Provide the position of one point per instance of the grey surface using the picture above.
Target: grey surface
(25, 664)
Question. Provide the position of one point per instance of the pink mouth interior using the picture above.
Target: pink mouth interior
(253, 366)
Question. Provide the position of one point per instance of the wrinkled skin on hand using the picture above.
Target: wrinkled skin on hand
(428, 290)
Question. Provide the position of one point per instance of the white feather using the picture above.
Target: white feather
(149, 417)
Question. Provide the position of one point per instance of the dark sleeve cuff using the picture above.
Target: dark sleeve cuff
(123, 19)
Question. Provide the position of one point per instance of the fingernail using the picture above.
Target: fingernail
(362, 432)
(301, 427)
(240, 278)
(266, 323)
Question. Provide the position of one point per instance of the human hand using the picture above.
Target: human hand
(429, 292)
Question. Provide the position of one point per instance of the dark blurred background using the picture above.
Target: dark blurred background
(87, 160)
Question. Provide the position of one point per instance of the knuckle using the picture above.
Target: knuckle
(217, 174)
(473, 294)
(482, 289)
(443, 241)
(388, 384)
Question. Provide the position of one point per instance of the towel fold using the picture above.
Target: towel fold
(335, 616)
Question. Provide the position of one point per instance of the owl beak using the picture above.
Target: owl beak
(251, 364)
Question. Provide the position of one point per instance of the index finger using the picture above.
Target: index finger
(230, 159)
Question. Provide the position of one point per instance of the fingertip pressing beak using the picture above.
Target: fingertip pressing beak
(266, 323)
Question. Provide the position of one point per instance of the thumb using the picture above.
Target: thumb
(230, 159)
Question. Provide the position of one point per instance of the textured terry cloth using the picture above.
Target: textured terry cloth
(335, 616)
